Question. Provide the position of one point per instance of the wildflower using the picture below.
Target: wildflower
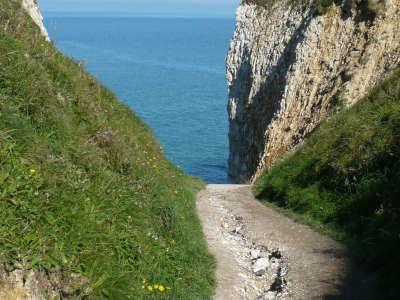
(143, 286)
(32, 171)
(161, 288)
(156, 286)
(149, 288)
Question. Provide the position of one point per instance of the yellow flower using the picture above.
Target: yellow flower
(161, 288)
(156, 286)
(143, 286)
(32, 171)
(149, 288)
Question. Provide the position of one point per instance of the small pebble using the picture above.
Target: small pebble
(255, 253)
(260, 266)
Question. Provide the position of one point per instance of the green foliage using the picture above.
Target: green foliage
(346, 178)
(84, 187)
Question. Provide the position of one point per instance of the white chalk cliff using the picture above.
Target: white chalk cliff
(290, 66)
(32, 8)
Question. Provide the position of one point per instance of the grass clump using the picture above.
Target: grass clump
(84, 187)
(345, 179)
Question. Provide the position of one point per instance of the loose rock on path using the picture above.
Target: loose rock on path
(262, 254)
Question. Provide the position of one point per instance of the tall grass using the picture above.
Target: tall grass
(84, 187)
(346, 180)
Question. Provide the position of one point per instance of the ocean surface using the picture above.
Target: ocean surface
(170, 71)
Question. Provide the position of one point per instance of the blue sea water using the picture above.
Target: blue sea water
(170, 71)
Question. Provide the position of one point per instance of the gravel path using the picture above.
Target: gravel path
(262, 254)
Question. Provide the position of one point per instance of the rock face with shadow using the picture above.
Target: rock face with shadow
(289, 66)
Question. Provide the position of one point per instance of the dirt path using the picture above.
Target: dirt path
(262, 254)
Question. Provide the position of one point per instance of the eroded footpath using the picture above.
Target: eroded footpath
(262, 254)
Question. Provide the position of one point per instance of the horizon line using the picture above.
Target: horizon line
(105, 14)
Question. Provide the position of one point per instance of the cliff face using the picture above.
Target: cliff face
(288, 67)
(32, 8)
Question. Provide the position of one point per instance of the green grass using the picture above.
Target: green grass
(345, 180)
(84, 187)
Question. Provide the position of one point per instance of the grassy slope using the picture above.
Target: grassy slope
(84, 187)
(346, 180)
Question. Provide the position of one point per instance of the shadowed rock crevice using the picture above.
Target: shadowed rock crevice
(262, 109)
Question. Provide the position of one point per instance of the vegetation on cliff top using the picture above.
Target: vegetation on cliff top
(84, 187)
(345, 180)
(321, 6)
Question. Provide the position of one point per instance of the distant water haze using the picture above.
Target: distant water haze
(171, 71)
(203, 8)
